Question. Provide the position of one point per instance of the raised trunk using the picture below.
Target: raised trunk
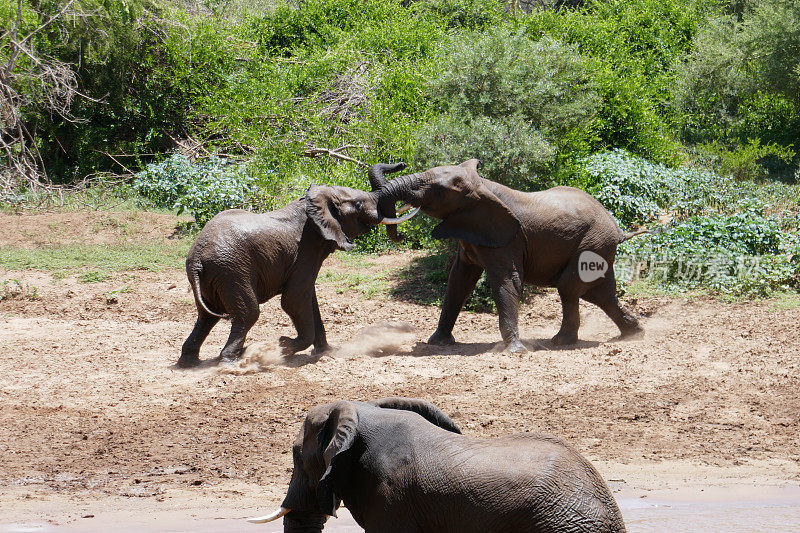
(385, 207)
(295, 522)
(402, 189)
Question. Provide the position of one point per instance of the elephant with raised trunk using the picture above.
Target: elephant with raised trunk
(401, 465)
(543, 238)
(242, 259)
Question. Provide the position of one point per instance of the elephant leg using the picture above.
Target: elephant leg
(242, 319)
(298, 303)
(190, 353)
(604, 296)
(460, 283)
(570, 288)
(507, 294)
(320, 341)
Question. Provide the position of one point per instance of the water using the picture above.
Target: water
(710, 509)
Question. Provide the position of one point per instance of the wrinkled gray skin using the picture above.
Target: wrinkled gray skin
(242, 259)
(516, 237)
(400, 465)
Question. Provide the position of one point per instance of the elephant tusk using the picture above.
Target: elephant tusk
(404, 209)
(390, 221)
(270, 517)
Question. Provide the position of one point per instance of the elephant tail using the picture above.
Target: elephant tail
(626, 236)
(194, 270)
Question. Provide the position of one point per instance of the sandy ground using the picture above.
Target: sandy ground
(100, 428)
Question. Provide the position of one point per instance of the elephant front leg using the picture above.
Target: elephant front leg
(507, 293)
(460, 283)
(298, 302)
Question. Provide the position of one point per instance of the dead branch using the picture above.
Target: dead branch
(314, 151)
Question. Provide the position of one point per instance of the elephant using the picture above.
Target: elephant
(242, 259)
(547, 238)
(400, 465)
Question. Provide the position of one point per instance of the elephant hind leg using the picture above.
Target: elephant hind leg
(244, 317)
(570, 288)
(604, 296)
(190, 352)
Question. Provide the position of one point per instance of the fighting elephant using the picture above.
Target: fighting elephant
(242, 259)
(560, 237)
(401, 465)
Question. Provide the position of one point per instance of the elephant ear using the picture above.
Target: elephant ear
(330, 435)
(339, 435)
(484, 221)
(323, 212)
(427, 410)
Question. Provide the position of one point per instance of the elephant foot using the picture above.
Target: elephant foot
(633, 333)
(319, 351)
(291, 346)
(515, 346)
(564, 339)
(188, 362)
(440, 339)
(227, 361)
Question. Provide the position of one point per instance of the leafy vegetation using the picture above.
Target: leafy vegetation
(684, 114)
(721, 235)
(204, 188)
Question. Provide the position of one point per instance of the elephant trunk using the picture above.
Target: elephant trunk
(296, 522)
(402, 189)
(385, 206)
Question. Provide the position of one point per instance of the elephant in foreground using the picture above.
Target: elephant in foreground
(242, 259)
(401, 465)
(560, 237)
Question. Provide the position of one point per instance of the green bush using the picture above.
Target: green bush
(509, 101)
(203, 188)
(633, 46)
(740, 81)
(636, 191)
(143, 66)
(743, 254)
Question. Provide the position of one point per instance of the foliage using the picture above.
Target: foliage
(508, 100)
(142, 66)
(636, 191)
(741, 78)
(743, 254)
(203, 188)
(744, 162)
(467, 14)
(632, 46)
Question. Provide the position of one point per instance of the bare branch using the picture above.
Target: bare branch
(314, 151)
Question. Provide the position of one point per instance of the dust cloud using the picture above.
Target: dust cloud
(382, 339)
(385, 338)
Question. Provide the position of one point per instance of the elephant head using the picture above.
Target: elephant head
(469, 208)
(326, 449)
(340, 213)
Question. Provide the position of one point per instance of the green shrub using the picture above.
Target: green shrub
(508, 100)
(740, 79)
(635, 190)
(743, 254)
(467, 14)
(203, 188)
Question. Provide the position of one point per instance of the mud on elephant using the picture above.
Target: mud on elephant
(517, 237)
(401, 465)
(242, 259)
